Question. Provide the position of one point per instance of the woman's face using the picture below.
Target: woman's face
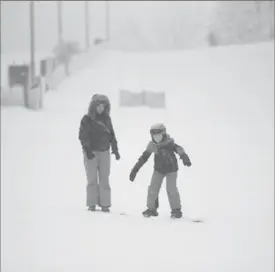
(100, 108)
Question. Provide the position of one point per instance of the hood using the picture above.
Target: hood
(98, 99)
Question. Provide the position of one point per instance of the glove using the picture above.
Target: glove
(133, 175)
(188, 164)
(116, 155)
(186, 161)
(90, 155)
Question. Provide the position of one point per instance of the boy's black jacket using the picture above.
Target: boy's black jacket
(165, 160)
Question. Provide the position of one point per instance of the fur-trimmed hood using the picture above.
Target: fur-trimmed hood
(99, 99)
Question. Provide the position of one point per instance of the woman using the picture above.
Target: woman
(97, 136)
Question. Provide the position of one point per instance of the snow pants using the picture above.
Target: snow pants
(171, 188)
(98, 190)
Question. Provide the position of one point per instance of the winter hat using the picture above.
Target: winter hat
(96, 100)
(100, 99)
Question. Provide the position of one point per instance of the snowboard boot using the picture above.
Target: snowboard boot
(105, 209)
(92, 208)
(176, 213)
(149, 213)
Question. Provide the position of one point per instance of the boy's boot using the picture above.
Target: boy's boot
(149, 213)
(105, 209)
(176, 213)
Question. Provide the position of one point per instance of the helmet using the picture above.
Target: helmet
(158, 128)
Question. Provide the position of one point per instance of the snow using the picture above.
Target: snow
(220, 107)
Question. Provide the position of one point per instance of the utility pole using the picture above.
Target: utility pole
(272, 19)
(259, 17)
(32, 40)
(107, 4)
(60, 26)
(87, 25)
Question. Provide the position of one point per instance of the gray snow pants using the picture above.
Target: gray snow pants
(98, 171)
(171, 188)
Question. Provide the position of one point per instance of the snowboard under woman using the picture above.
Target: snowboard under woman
(165, 166)
(97, 136)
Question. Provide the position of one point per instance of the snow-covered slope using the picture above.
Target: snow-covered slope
(220, 105)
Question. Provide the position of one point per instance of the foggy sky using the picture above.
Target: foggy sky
(147, 17)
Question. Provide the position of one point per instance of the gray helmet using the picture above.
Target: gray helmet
(158, 128)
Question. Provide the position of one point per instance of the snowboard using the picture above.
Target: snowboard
(111, 212)
(186, 219)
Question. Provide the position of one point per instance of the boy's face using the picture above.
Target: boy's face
(100, 108)
(158, 137)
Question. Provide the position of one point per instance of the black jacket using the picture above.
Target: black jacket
(96, 132)
(165, 160)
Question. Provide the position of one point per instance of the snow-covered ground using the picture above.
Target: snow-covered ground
(220, 105)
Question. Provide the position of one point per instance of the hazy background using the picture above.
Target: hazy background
(139, 24)
(219, 104)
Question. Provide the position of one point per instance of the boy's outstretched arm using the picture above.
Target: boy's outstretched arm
(183, 156)
(141, 161)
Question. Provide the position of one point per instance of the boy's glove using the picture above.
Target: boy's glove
(116, 155)
(185, 159)
(133, 175)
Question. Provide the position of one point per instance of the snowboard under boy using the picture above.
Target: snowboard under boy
(165, 166)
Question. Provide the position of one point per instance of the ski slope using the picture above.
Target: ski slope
(220, 108)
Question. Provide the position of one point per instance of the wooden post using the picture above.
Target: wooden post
(60, 26)
(107, 20)
(272, 19)
(87, 24)
(32, 40)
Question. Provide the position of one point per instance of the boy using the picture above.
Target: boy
(165, 165)
(96, 135)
